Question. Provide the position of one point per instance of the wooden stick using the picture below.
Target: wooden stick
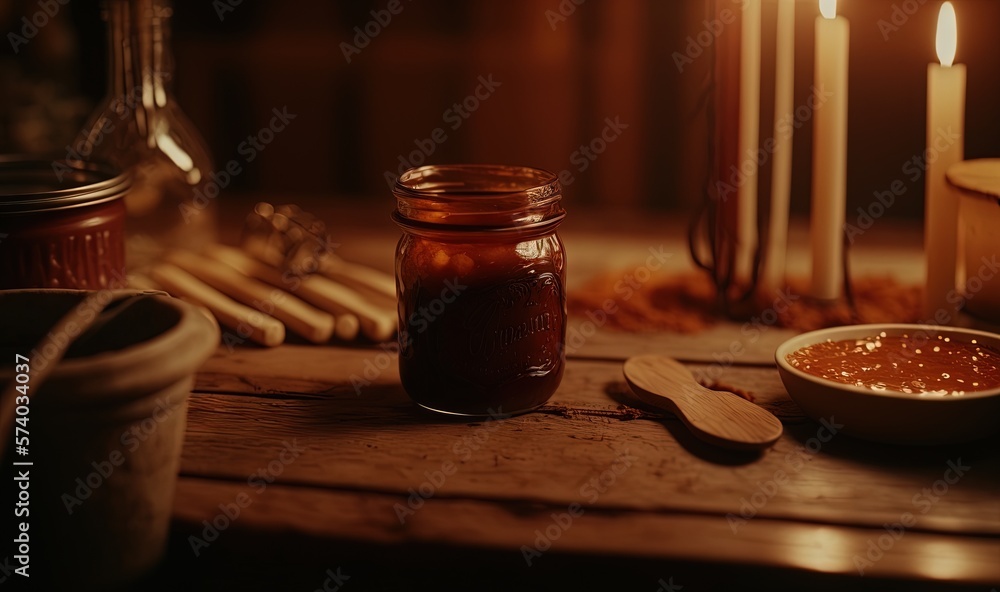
(377, 323)
(139, 281)
(142, 282)
(369, 282)
(315, 325)
(348, 327)
(247, 322)
(345, 327)
(359, 276)
(373, 295)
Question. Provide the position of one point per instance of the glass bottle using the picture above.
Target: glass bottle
(480, 276)
(139, 127)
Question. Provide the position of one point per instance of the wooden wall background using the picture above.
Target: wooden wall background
(608, 58)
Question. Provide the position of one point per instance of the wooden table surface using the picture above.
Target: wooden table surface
(328, 474)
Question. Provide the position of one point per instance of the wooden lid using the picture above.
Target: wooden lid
(978, 176)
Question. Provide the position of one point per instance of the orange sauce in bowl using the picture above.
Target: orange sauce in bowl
(918, 364)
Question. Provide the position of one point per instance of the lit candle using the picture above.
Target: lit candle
(829, 187)
(781, 167)
(749, 138)
(945, 122)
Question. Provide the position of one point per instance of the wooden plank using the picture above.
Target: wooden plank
(285, 516)
(727, 342)
(365, 449)
(375, 440)
(304, 371)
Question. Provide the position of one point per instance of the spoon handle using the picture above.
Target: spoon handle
(717, 417)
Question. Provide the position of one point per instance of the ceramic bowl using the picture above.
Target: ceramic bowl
(891, 416)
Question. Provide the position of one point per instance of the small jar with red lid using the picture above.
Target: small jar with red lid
(480, 279)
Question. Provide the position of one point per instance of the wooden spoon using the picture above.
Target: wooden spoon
(717, 417)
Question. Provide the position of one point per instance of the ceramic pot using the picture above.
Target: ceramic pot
(106, 428)
(978, 184)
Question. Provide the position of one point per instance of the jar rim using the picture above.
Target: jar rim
(478, 197)
(30, 184)
(475, 180)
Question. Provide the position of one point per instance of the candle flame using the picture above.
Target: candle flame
(947, 35)
(828, 8)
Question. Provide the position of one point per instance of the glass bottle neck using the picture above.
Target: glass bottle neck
(141, 63)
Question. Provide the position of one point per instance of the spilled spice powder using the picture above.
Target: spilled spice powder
(688, 303)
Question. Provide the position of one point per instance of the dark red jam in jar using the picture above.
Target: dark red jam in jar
(61, 225)
(480, 279)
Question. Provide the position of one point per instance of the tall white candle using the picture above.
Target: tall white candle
(829, 187)
(749, 138)
(945, 122)
(781, 168)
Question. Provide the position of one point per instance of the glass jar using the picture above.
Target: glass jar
(480, 276)
(140, 127)
(61, 229)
